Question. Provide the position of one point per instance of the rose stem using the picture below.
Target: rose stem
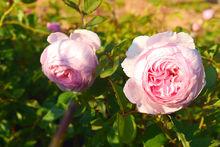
(64, 123)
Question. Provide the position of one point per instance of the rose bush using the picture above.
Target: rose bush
(165, 72)
(71, 62)
(33, 109)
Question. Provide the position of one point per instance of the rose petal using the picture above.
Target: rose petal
(185, 40)
(58, 36)
(138, 45)
(193, 59)
(171, 38)
(87, 37)
(71, 52)
(128, 66)
(161, 39)
(43, 56)
(137, 95)
(148, 58)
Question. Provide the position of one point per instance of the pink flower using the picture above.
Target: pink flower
(196, 27)
(165, 72)
(53, 26)
(208, 14)
(71, 62)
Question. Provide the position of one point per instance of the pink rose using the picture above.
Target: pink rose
(71, 62)
(165, 72)
(208, 14)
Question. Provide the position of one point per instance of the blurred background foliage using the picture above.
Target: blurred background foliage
(31, 106)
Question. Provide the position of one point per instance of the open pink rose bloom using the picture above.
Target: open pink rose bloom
(165, 72)
(71, 62)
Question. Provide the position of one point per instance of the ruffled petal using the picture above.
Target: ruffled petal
(128, 66)
(72, 53)
(58, 36)
(136, 96)
(138, 45)
(161, 39)
(43, 56)
(185, 40)
(87, 37)
(171, 38)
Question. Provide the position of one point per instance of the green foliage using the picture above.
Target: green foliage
(211, 76)
(28, 1)
(126, 128)
(59, 108)
(91, 5)
(31, 106)
(157, 141)
(73, 4)
(95, 21)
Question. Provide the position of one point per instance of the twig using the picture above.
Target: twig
(158, 120)
(60, 134)
(82, 15)
(6, 13)
(117, 96)
(201, 122)
(26, 27)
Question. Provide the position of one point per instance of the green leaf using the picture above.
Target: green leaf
(65, 97)
(180, 135)
(53, 114)
(72, 4)
(28, 1)
(211, 76)
(215, 143)
(96, 124)
(91, 5)
(200, 142)
(153, 136)
(126, 128)
(157, 141)
(30, 143)
(182, 138)
(112, 135)
(217, 104)
(31, 20)
(120, 97)
(108, 71)
(96, 20)
(62, 104)
(4, 129)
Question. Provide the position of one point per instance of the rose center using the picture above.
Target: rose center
(65, 74)
(164, 79)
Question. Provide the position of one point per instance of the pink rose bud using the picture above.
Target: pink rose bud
(53, 26)
(196, 27)
(208, 14)
(165, 72)
(71, 62)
